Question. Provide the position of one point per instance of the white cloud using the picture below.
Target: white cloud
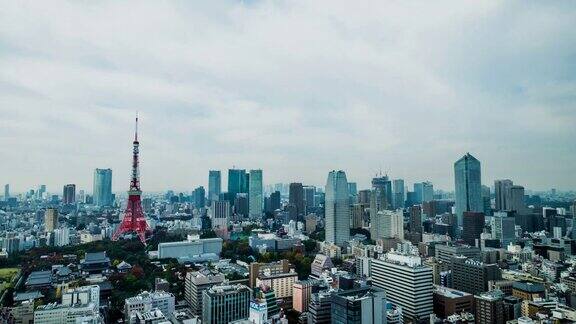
(296, 88)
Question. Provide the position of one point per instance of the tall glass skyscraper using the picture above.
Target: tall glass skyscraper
(237, 182)
(214, 185)
(468, 185)
(102, 189)
(399, 196)
(337, 208)
(255, 194)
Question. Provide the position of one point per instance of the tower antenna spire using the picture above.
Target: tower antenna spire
(136, 128)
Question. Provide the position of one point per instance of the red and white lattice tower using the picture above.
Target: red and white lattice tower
(134, 219)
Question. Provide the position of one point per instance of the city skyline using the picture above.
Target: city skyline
(358, 95)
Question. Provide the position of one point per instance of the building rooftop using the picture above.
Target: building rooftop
(95, 257)
(27, 296)
(37, 278)
(531, 287)
(450, 292)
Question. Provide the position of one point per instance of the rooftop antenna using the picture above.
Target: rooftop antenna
(136, 129)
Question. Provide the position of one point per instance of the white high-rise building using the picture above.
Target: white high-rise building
(82, 295)
(337, 208)
(387, 224)
(147, 301)
(220, 212)
(62, 236)
(407, 282)
(255, 194)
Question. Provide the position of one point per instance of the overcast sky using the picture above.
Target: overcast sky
(296, 88)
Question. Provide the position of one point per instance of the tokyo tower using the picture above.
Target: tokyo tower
(134, 219)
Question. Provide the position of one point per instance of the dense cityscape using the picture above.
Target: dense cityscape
(289, 253)
(287, 162)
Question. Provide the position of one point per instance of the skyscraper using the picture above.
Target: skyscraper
(69, 194)
(360, 305)
(199, 197)
(214, 184)
(6, 192)
(501, 191)
(384, 185)
(398, 190)
(51, 219)
(102, 190)
(337, 208)
(387, 224)
(225, 303)
(468, 186)
(407, 282)
(255, 195)
(516, 200)
(237, 183)
(424, 191)
(473, 226)
(427, 191)
(296, 199)
(309, 195)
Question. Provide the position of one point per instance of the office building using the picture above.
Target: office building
(319, 309)
(358, 211)
(302, 293)
(51, 219)
(502, 193)
(199, 197)
(54, 313)
(102, 190)
(214, 185)
(280, 283)
(473, 226)
(449, 301)
(423, 191)
(220, 212)
(361, 305)
(256, 269)
(275, 202)
(486, 200)
(472, 276)
(387, 224)
(489, 307)
(503, 228)
(195, 284)
(255, 195)
(383, 186)
(6, 192)
(61, 236)
(364, 197)
(398, 198)
(147, 301)
(516, 202)
(337, 209)
(467, 176)
(82, 295)
(309, 197)
(445, 252)
(407, 282)
(237, 183)
(69, 194)
(223, 304)
(296, 201)
(415, 219)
